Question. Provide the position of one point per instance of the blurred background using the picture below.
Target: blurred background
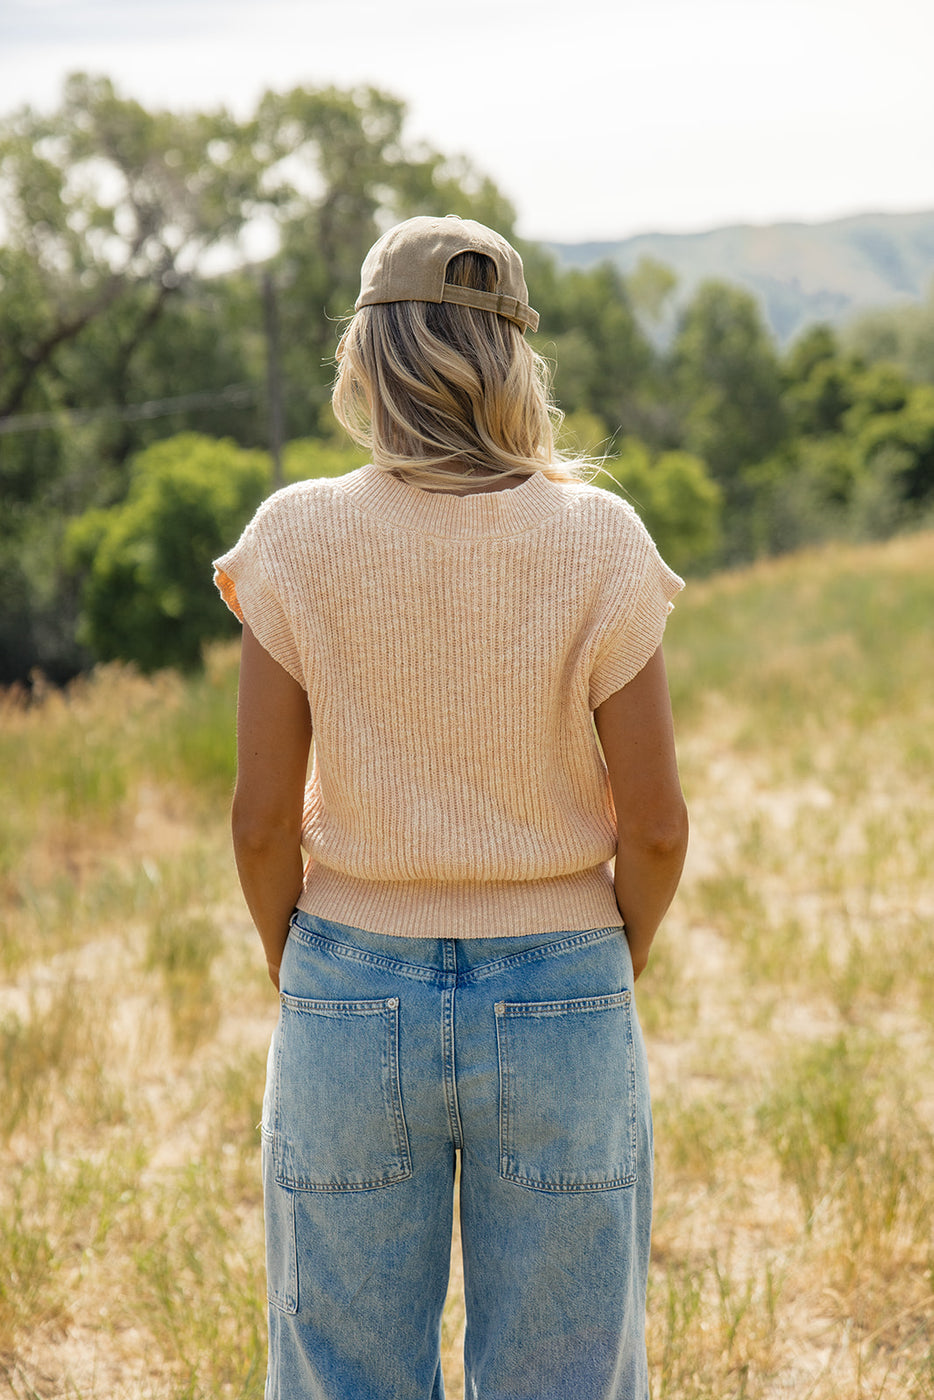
(726, 210)
(727, 215)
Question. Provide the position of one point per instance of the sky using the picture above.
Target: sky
(597, 118)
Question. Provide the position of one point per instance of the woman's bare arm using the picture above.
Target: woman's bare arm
(637, 736)
(273, 740)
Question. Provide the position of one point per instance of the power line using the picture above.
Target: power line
(130, 413)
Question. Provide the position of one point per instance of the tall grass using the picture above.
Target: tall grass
(789, 1009)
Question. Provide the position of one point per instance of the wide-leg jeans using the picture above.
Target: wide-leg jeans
(390, 1055)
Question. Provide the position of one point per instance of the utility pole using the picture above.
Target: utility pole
(273, 378)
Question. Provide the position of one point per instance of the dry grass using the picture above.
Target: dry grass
(789, 1010)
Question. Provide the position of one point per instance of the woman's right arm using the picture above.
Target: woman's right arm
(273, 742)
(637, 737)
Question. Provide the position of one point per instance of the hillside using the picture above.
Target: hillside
(801, 273)
(788, 1010)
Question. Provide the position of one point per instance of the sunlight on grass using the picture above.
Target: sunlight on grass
(788, 1009)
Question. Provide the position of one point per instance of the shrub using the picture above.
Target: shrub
(676, 498)
(147, 592)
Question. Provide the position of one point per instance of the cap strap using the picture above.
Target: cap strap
(510, 307)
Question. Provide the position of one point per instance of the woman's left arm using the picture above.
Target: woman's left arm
(273, 741)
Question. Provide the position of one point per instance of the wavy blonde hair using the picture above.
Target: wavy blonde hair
(440, 393)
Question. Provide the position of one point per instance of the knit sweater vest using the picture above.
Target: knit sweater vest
(453, 649)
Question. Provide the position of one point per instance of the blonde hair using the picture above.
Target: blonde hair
(440, 393)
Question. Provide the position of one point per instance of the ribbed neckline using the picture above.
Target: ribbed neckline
(477, 516)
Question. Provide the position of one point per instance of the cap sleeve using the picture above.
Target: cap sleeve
(635, 622)
(248, 587)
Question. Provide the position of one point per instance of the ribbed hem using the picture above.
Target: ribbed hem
(446, 516)
(442, 909)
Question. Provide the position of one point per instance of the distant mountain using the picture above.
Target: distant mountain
(801, 273)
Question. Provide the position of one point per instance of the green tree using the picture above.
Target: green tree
(820, 382)
(675, 497)
(115, 220)
(903, 438)
(861, 463)
(144, 564)
(340, 170)
(146, 591)
(899, 335)
(106, 202)
(727, 380)
(651, 285)
(802, 494)
(878, 389)
(589, 328)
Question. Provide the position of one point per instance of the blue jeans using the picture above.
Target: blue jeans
(390, 1055)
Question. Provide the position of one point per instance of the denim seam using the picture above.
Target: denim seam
(539, 954)
(284, 1299)
(450, 1065)
(312, 1006)
(348, 951)
(395, 1089)
(633, 1132)
(418, 973)
(505, 1095)
(520, 1009)
(622, 1183)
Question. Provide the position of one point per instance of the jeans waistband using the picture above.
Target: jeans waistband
(429, 959)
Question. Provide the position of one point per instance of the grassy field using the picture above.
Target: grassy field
(789, 1011)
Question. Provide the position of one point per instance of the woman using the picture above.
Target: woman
(456, 960)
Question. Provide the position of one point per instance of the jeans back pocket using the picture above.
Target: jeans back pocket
(337, 1117)
(568, 1093)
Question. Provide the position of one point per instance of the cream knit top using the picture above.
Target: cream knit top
(453, 649)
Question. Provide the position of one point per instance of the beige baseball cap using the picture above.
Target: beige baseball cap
(409, 263)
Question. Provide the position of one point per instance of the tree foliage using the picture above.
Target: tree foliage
(590, 330)
(675, 497)
(148, 595)
(144, 565)
(900, 335)
(108, 205)
(726, 375)
(125, 288)
(134, 361)
(859, 461)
